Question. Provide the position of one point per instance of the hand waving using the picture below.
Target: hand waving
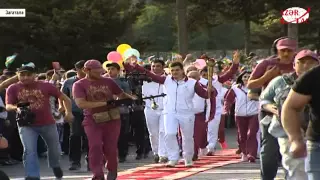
(236, 57)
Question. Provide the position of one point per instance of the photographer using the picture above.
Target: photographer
(137, 116)
(30, 99)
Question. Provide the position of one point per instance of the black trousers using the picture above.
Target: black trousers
(138, 125)
(123, 142)
(270, 157)
(4, 176)
(78, 141)
(11, 133)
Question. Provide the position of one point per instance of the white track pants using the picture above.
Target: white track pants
(155, 125)
(213, 129)
(172, 121)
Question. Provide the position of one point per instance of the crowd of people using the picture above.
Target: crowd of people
(80, 111)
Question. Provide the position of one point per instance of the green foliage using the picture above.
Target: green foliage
(70, 30)
(156, 28)
(65, 31)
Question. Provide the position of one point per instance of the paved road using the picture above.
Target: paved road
(231, 172)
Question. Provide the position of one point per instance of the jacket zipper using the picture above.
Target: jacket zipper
(175, 106)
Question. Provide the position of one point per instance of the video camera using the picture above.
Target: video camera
(135, 80)
(24, 116)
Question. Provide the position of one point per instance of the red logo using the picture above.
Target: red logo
(295, 15)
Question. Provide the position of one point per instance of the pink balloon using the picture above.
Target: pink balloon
(200, 63)
(114, 56)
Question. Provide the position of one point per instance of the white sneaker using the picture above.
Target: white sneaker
(244, 157)
(188, 163)
(203, 152)
(171, 164)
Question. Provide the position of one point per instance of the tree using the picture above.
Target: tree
(155, 28)
(66, 31)
(182, 26)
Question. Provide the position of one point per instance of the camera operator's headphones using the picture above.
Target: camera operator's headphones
(275, 42)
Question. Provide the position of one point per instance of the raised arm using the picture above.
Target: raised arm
(232, 70)
(156, 78)
(229, 74)
(6, 83)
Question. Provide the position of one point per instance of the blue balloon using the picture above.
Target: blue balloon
(131, 52)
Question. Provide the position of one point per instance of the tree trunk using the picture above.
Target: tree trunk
(293, 31)
(247, 27)
(247, 34)
(182, 26)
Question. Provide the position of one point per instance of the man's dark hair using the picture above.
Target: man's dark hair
(175, 64)
(70, 74)
(159, 61)
(115, 65)
(147, 66)
(79, 64)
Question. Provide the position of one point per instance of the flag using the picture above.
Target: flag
(10, 59)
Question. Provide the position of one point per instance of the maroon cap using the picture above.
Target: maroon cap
(306, 53)
(93, 64)
(287, 43)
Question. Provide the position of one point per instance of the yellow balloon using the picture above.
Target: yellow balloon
(122, 48)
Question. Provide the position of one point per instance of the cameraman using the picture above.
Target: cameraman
(137, 117)
(35, 118)
(113, 71)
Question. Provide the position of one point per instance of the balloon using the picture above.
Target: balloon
(122, 48)
(114, 56)
(200, 63)
(131, 52)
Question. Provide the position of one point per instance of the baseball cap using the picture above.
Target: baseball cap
(306, 53)
(113, 64)
(79, 64)
(26, 69)
(93, 64)
(287, 43)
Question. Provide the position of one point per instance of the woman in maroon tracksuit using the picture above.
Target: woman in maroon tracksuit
(246, 116)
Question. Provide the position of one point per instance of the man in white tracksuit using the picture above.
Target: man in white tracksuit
(154, 115)
(178, 108)
(213, 126)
